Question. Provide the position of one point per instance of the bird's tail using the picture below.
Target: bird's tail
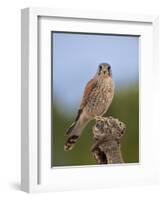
(74, 132)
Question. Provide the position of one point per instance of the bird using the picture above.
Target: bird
(97, 97)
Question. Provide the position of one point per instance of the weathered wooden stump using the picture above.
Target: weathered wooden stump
(107, 133)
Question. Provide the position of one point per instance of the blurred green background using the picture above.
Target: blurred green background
(125, 106)
(75, 60)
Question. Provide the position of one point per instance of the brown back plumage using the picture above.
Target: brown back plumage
(88, 89)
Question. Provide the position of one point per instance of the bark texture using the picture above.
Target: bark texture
(107, 133)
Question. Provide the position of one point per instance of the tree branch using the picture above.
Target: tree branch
(107, 133)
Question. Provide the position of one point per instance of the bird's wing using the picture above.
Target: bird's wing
(88, 89)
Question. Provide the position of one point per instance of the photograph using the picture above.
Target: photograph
(94, 99)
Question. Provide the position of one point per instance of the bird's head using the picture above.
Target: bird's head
(104, 70)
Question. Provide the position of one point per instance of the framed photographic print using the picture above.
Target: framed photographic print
(88, 93)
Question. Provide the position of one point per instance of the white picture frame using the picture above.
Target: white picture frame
(36, 171)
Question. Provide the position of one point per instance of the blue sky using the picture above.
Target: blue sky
(76, 58)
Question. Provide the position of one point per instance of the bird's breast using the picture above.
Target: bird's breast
(100, 97)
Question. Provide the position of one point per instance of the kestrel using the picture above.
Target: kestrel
(98, 95)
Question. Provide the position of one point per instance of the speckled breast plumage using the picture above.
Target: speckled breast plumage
(100, 97)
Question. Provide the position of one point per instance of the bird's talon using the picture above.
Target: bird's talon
(98, 118)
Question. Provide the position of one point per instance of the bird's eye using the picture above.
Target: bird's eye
(100, 67)
(109, 68)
